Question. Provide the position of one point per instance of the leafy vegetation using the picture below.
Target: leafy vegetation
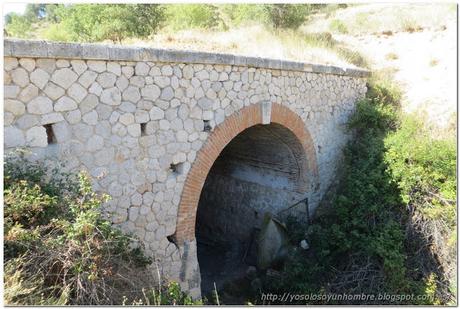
(361, 243)
(59, 250)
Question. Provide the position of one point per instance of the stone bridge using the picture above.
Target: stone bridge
(193, 147)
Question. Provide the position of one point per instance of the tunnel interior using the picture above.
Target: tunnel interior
(263, 169)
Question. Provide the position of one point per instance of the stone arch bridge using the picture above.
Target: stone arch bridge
(189, 145)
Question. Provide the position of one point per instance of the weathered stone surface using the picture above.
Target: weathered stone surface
(111, 96)
(53, 91)
(156, 113)
(96, 65)
(40, 105)
(20, 77)
(27, 63)
(64, 77)
(106, 80)
(11, 91)
(79, 66)
(13, 137)
(151, 92)
(77, 92)
(15, 107)
(36, 137)
(135, 111)
(131, 94)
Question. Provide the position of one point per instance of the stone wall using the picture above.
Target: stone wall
(138, 120)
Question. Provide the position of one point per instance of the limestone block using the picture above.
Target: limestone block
(127, 119)
(88, 103)
(51, 118)
(151, 92)
(111, 96)
(15, 107)
(40, 105)
(10, 63)
(141, 116)
(114, 67)
(27, 63)
(8, 118)
(127, 71)
(156, 113)
(205, 103)
(106, 79)
(165, 124)
(77, 92)
(20, 77)
(97, 65)
(73, 117)
(167, 94)
(64, 77)
(65, 104)
(46, 64)
(13, 137)
(91, 118)
(142, 69)
(122, 83)
(11, 92)
(95, 89)
(79, 66)
(87, 78)
(94, 143)
(36, 137)
(137, 81)
(131, 94)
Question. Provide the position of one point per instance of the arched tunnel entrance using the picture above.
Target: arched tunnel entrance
(263, 169)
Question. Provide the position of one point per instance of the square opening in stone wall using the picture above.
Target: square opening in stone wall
(50, 134)
(143, 129)
(176, 168)
(206, 126)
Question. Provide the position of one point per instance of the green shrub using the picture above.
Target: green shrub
(244, 14)
(17, 26)
(190, 16)
(56, 243)
(337, 25)
(115, 22)
(58, 33)
(288, 16)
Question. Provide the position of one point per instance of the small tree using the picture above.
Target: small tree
(17, 26)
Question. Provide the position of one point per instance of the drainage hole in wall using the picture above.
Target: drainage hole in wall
(176, 168)
(50, 134)
(207, 126)
(143, 129)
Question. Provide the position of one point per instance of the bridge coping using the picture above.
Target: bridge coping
(46, 49)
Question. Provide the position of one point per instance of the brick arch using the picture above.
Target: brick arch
(222, 135)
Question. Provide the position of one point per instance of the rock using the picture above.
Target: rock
(167, 94)
(156, 113)
(111, 96)
(205, 103)
(304, 244)
(10, 63)
(40, 105)
(142, 69)
(10, 92)
(36, 137)
(131, 94)
(89, 103)
(273, 243)
(64, 77)
(127, 71)
(151, 92)
(114, 68)
(97, 66)
(126, 119)
(28, 93)
(15, 107)
(106, 79)
(73, 117)
(20, 77)
(53, 91)
(87, 78)
(79, 66)
(39, 77)
(77, 92)
(91, 117)
(13, 137)
(65, 104)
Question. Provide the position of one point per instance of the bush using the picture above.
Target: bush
(17, 26)
(58, 249)
(339, 26)
(364, 242)
(288, 16)
(115, 22)
(244, 14)
(189, 16)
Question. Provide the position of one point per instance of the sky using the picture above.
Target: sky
(14, 7)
